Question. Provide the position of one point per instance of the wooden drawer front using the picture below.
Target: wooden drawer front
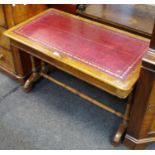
(4, 41)
(6, 59)
(2, 19)
(22, 12)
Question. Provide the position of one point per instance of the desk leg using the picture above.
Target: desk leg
(123, 126)
(33, 77)
(45, 68)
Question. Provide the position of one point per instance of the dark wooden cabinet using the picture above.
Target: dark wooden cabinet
(70, 8)
(15, 63)
(141, 128)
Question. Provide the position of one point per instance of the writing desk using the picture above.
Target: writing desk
(103, 56)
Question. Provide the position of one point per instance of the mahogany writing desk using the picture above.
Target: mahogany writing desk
(103, 56)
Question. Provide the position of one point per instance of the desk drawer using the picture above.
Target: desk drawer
(2, 19)
(6, 59)
(4, 41)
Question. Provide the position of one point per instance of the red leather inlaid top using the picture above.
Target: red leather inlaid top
(111, 52)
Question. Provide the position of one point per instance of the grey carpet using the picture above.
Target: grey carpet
(6, 86)
(50, 117)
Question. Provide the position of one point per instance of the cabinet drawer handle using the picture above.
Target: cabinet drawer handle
(1, 56)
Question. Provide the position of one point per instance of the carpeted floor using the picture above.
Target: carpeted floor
(50, 117)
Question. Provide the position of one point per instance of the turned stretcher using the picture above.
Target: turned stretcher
(100, 55)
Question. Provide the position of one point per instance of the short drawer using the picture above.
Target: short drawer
(4, 41)
(2, 19)
(6, 59)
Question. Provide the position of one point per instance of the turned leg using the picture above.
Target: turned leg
(47, 69)
(123, 126)
(33, 77)
(44, 67)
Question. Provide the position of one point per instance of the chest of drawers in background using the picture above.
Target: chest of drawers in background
(6, 60)
(16, 64)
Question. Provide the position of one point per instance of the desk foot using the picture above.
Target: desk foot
(29, 83)
(123, 126)
(119, 134)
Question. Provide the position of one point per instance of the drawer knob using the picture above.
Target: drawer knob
(1, 56)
